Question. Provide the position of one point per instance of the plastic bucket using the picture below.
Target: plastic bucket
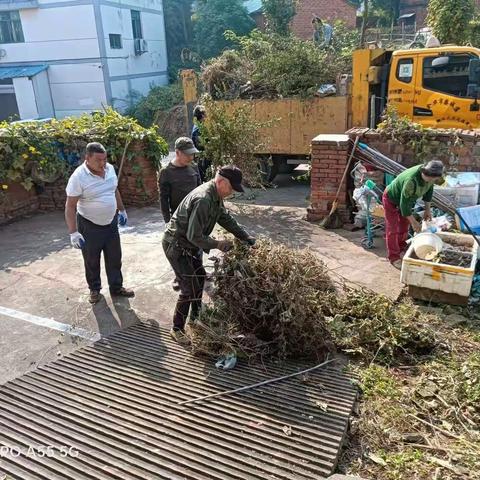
(427, 245)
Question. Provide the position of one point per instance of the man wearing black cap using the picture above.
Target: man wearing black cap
(178, 178)
(187, 235)
(399, 199)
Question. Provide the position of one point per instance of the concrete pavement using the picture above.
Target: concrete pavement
(41, 275)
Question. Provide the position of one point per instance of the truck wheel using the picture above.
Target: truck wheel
(286, 168)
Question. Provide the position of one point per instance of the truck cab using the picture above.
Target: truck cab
(436, 87)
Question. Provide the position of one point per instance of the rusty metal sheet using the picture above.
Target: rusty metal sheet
(110, 411)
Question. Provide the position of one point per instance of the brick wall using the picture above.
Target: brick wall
(17, 202)
(138, 187)
(329, 156)
(419, 7)
(463, 157)
(138, 183)
(328, 161)
(326, 9)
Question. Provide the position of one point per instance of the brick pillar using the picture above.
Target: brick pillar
(329, 158)
(138, 183)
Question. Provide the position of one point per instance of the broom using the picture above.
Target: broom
(329, 219)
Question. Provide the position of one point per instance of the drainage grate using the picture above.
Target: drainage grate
(109, 411)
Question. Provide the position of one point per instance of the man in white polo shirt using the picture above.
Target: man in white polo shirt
(91, 215)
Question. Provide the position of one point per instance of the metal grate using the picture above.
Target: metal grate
(109, 411)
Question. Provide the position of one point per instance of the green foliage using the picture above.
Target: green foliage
(37, 152)
(387, 11)
(279, 14)
(232, 138)
(474, 31)
(158, 99)
(273, 65)
(376, 328)
(450, 19)
(377, 381)
(421, 140)
(213, 18)
(179, 34)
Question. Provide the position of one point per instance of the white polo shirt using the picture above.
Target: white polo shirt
(97, 201)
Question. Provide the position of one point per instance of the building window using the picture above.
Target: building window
(11, 27)
(115, 40)
(136, 24)
(450, 75)
(405, 70)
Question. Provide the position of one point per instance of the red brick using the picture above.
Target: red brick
(327, 9)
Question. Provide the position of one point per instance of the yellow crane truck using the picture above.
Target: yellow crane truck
(436, 87)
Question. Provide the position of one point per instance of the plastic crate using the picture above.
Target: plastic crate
(440, 277)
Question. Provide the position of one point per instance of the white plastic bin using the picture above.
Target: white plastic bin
(437, 276)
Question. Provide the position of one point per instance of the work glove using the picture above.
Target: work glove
(224, 245)
(122, 218)
(77, 240)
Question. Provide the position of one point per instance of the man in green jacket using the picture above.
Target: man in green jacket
(399, 199)
(187, 236)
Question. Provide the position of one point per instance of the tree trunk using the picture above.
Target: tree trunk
(364, 23)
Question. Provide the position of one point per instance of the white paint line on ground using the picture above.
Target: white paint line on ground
(50, 323)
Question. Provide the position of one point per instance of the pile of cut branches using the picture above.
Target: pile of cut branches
(373, 327)
(273, 301)
(269, 301)
(268, 65)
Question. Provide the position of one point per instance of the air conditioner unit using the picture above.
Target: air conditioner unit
(140, 45)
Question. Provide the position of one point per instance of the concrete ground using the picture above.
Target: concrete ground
(43, 292)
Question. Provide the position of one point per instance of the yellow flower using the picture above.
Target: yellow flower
(5, 187)
(32, 149)
(25, 156)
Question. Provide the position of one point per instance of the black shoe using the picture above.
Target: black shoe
(95, 297)
(123, 292)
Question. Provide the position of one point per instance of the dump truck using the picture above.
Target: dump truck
(436, 87)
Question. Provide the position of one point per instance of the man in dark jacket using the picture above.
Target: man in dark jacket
(204, 164)
(178, 178)
(187, 236)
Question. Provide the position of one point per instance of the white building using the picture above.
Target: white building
(65, 57)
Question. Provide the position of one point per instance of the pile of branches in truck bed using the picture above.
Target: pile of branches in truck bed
(275, 302)
(266, 65)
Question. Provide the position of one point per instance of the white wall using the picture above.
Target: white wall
(43, 95)
(65, 38)
(27, 106)
(126, 63)
(55, 34)
(77, 88)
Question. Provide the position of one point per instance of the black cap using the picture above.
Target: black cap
(233, 174)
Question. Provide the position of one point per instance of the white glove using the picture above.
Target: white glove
(122, 218)
(77, 240)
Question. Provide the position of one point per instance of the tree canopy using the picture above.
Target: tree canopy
(450, 20)
(213, 18)
(279, 14)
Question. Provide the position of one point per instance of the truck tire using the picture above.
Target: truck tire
(286, 168)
